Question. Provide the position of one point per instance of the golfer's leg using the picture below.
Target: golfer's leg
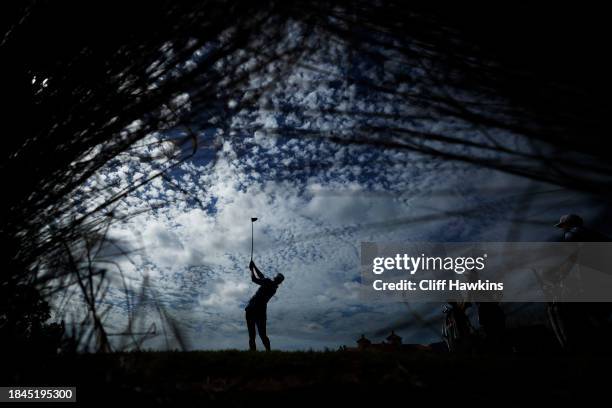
(251, 326)
(261, 328)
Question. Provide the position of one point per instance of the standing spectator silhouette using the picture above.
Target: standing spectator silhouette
(257, 306)
(492, 320)
(457, 330)
(578, 325)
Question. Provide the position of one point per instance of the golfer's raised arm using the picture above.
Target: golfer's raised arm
(256, 275)
(259, 274)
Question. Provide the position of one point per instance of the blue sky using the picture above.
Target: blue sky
(309, 228)
(316, 200)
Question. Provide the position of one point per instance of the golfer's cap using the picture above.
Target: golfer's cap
(569, 220)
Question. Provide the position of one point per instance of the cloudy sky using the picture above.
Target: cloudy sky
(310, 227)
(316, 200)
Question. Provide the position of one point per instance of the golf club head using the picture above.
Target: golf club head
(253, 219)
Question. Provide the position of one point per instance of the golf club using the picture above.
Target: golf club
(252, 221)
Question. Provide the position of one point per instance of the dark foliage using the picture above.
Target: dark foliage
(234, 378)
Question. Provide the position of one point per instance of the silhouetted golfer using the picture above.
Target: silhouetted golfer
(256, 309)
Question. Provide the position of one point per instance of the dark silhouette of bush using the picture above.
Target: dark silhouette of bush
(22, 323)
